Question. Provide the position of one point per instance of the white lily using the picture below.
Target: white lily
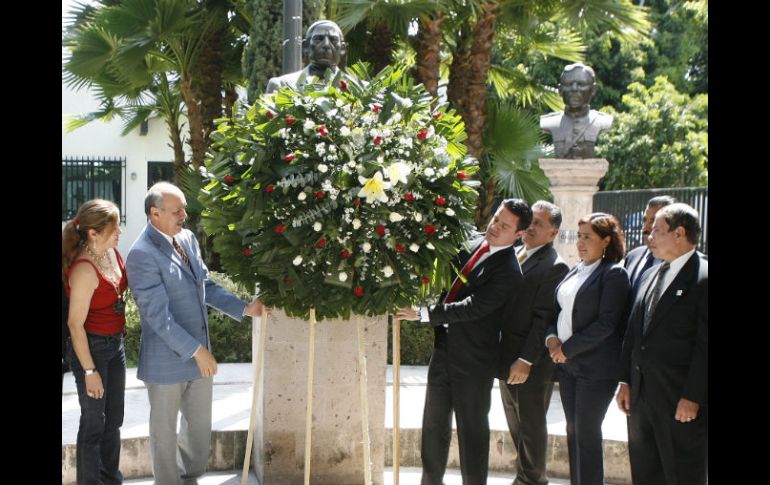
(387, 271)
(397, 172)
(317, 227)
(297, 261)
(395, 217)
(373, 188)
(414, 247)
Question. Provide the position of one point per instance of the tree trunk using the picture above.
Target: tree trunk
(197, 142)
(468, 92)
(428, 47)
(176, 144)
(208, 86)
(379, 51)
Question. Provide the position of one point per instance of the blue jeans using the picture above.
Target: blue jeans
(98, 443)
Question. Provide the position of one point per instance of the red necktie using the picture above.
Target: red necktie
(484, 248)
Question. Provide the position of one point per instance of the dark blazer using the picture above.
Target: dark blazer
(475, 316)
(634, 258)
(599, 318)
(529, 312)
(672, 356)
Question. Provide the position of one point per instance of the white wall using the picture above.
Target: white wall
(98, 139)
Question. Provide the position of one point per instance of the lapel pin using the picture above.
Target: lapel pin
(679, 292)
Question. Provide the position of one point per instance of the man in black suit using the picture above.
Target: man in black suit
(664, 363)
(640, 259)
(524, 363)
(467, 325)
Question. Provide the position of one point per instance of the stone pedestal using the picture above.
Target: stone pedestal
(337, 444)
(573, 185)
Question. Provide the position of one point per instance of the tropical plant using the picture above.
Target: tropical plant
(660, 139)
(477, 58)
(344, 196)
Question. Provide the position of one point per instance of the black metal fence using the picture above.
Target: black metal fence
(628, 206)
(86, 178)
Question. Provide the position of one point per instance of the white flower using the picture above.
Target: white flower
(283, 133)
(323, 168)
(429, 246)
(302, 196)
(297, 261)
(373, 188)
(317, 227)
(429, 172)
(356, 223)
(395, 217)
(345, 131)
(450, 212)
(359, 138)
(395, 118)
(387, 271)
(308, 126)
(397, 172)
(417, 217)
(373, 133)
(366, 247)
(320, 148)
(414, 247)
(343, 276)
(332, 149)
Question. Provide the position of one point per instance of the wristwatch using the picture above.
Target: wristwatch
(90, 371)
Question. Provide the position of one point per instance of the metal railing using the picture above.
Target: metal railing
(628, 206)
(86, 178)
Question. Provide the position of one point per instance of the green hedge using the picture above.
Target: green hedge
(231, 340)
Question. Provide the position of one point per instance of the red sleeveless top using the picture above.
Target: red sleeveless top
(102, 318)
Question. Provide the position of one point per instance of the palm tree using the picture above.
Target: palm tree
(468, 30)
(120, 48)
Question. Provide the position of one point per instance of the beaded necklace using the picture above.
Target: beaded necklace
(102, 261)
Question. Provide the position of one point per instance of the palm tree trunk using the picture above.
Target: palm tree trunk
(380, 49)
(208, 70)
(230, 98)
(428, 47)
(197, 142)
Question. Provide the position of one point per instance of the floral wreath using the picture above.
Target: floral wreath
(344, 195)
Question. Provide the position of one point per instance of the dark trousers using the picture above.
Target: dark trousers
(664, 451)
(469, 397)
(585, 403)
(525, 408)
(98, 441)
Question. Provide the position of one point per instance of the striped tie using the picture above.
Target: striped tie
(181, 253)
(522, 255)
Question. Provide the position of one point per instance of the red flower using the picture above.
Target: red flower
(356, 202)
(319, 194)
(280, 228)
(376, 107)
(437, 115)
(247, 252)
(409, 197)
(343, 85)
(377, 140)
(270, 188)
(345, 254)
(322, 130)
(290, 157)
(229, 179)
(400, 248)
(425, 280)
(359, 291)
(462, 175)
(440, 201)
(290, 120)
(321, 243)
(269, 114)
(380, 230)
(422, 134)
(430, 229)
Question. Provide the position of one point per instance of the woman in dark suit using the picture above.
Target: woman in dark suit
(592, 303)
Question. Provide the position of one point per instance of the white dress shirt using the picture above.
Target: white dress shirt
(566, 298)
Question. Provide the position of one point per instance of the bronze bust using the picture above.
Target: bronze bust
(324, 46)
(576, 129)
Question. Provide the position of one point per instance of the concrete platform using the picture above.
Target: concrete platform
(232, 401)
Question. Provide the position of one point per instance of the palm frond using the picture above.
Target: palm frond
(511, 133)
(619, 16)
(516, 83)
